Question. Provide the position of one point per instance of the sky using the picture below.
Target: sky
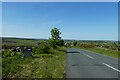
(76, 20)
(60, 0)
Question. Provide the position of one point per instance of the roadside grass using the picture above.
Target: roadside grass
(38, 66)
(107, 52)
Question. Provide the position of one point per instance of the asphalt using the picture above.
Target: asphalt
(86, 64)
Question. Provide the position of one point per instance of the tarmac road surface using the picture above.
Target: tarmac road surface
(85, 64)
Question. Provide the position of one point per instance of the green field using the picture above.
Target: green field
(20, 42)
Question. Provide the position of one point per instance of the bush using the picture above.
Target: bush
(43, 47)
(53, 43)
(87, 45)
(33, 50)
(61, 42)
(8, 53)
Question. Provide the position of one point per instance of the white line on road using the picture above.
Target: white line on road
(89, 56)
(111, 67)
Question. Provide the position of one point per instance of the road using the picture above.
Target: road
(86, 64)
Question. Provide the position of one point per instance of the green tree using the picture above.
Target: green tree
(55, 39)
(55, 34)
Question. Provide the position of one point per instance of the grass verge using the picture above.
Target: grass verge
(111, 53)
(38, 66)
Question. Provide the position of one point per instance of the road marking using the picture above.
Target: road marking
(111, 67)
(89, 56)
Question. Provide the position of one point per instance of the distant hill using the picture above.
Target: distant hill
(10, 41)
(4, 38)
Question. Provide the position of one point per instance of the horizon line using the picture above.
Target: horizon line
(63, 39)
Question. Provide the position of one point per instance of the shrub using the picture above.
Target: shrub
(8, 53)
(87, 45)
(53, 43)
(33, 50)
(43, 47)
(61, 42)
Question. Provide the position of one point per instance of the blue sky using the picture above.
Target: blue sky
(80, 21)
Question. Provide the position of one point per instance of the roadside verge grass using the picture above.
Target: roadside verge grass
(107, 52)
(38, 66)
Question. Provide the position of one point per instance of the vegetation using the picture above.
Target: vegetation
(8, 43)
(47, 60)
(108, 48)
(38, 66)
(11, 54)
(43, 47)
(106, 52)
(75, 43)
(55, 39)
(48, 56)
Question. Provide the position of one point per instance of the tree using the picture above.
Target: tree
(55, 39)
(55, 34)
